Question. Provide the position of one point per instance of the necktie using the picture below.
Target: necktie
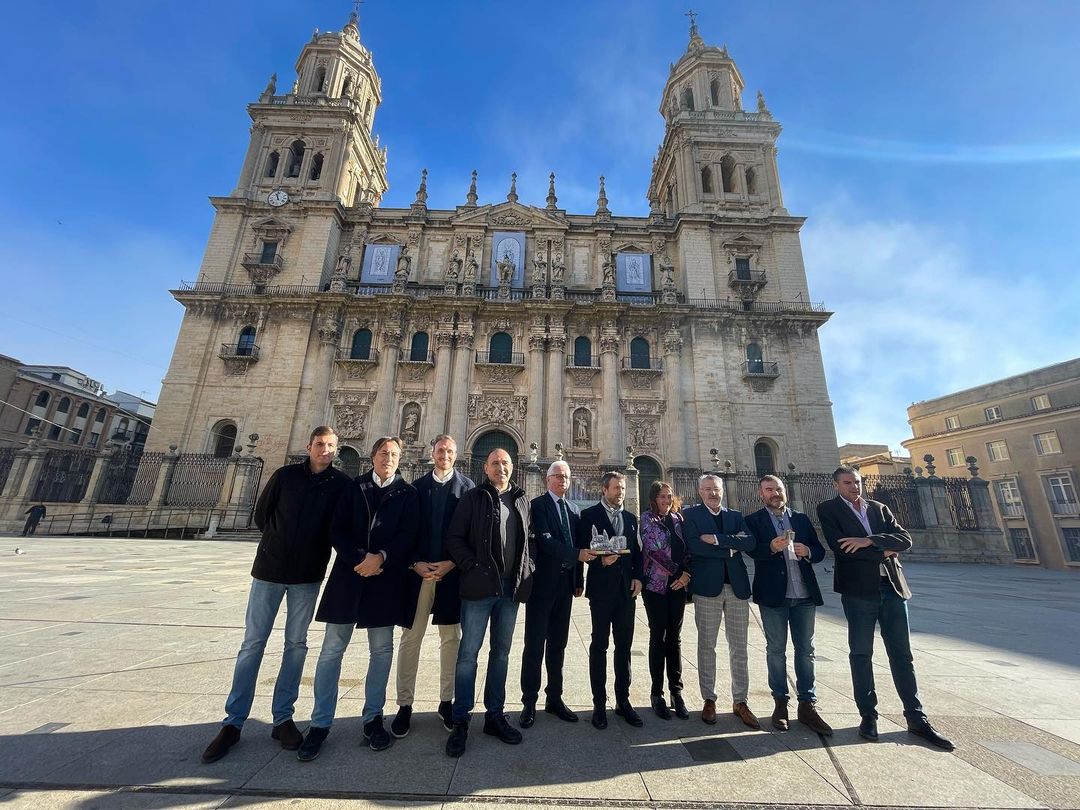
(564, 518)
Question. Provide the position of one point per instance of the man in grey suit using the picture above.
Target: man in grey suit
(716, 537)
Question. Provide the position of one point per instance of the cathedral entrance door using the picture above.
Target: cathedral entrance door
(648, 471)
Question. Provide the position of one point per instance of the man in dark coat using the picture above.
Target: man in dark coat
(716, 537)
(293, 513)
(787, 592)
(612, 586)
(432, 587)
(34, 515)
(867, 539)
(558, 579)
(372, 531)
(491, 543)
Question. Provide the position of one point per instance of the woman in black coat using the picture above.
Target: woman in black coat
(372, 532)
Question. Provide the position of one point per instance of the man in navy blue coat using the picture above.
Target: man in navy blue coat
(558, 578)
(786, 590)
(716, 537)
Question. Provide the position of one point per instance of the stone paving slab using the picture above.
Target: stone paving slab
(116, 655)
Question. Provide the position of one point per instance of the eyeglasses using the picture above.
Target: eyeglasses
(559, 475)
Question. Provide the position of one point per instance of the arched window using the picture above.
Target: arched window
(764, 458)
(84, 411)
(361, 345)
(639, 353)
(245, 344)
(42, 400)
(418, 349)
(272, 163)
(346, 88)
(714, 92)
(64, 405)
(100, 415)
(296, 157)
(349, 461)
(316, 166)
(706, 180)
(648, 471)
(751, 180)
(319, 85)
(688, 98)
(500, 348)
(727, 173)
(494, 440)
(754, 362)
(582, 351)
(223, 439)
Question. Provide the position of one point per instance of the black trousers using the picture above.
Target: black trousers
(611, 619)
(665, 612)
(547, 627)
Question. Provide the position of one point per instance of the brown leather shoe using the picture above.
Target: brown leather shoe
(288, 735)
(708, 712)
(742, 711)
(220, 745)
(808, 716)
(780, 714)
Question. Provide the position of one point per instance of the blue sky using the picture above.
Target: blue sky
(934, 148)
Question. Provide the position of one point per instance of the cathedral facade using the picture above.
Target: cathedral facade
(598, 337)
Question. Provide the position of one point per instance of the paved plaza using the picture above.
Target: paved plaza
(116, 657)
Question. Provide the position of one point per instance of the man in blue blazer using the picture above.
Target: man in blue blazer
(558, 578)
(786, 590)
(721, 587)
(612, 586)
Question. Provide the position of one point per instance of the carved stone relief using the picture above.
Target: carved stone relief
(410, 423)
(505, 409)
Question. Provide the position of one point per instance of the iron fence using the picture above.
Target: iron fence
(585, 486)
(195, 480)
(145, 480)
(960, 504)
(899, 494)
(7, 458)
(64, 476)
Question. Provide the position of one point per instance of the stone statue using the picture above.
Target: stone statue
(453, 270)
(761, 108)
(581, 429)
(539, 268)
(344, 263)
(296, 87)
(404, 265)
(506, 269)
(410, 424)
(472, 267)
(557, 272)
(667, 270)
(271, 86)
(609, 270)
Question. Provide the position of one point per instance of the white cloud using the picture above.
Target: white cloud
(917, 317)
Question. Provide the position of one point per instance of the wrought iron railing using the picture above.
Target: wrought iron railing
(369, 356)
(220, 288)
(417, 357)
(195, 480)
(7, 458)
(64, 476)
(760, 368)
(244, 351)
(958, 495)
(501, 358)
(642, 364)
(262, 260)
(769, 307)
(754, 277)
(899, 494)
(593, 361)
(1059, 507)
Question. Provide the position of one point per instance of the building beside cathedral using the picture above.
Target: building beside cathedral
(592, 334)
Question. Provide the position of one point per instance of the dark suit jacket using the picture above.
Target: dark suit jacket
(551, 551)
(770, 568)
(447, 606)
(355, 530)
(708, 563)
(610, 583)
(859, 573)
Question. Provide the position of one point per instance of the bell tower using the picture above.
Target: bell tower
(715, 157)
(314, 141)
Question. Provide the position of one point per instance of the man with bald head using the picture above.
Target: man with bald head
(559, 577)
(490, 542)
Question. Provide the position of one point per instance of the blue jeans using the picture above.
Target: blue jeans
(328, 672)
(890, 611)
(264, 599)
(502, 610)
(799, 615)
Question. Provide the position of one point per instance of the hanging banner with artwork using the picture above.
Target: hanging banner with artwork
(508, 248)
(633, 272)
(380, 261)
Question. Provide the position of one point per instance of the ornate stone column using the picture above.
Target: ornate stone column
(440, 393)
(534, 419)
(554, 406)
(382, 415)
(610, 443)
(459, 390)
(676, 434)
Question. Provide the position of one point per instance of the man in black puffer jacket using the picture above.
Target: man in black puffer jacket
(490, 542)
(294, 514)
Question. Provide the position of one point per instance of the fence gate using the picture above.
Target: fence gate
(7, 458)
(196, 480)
(963, 510)
(251, 486)
(64, 476)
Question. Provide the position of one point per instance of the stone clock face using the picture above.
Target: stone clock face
(278, 198)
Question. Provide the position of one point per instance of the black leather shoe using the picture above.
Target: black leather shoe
(678, 705)
(455, 743)
(599, 717)
(376, 736)
(868, 729)
(226, 738)
(659, 705)
(627, 713)
(446, 712)
(560, 710)
(309, 749)
(402, 721)
(528, 715)
(922, 728)
(499, 726)
(288, 735)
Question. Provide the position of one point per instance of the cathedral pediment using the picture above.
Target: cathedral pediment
(509, 215)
